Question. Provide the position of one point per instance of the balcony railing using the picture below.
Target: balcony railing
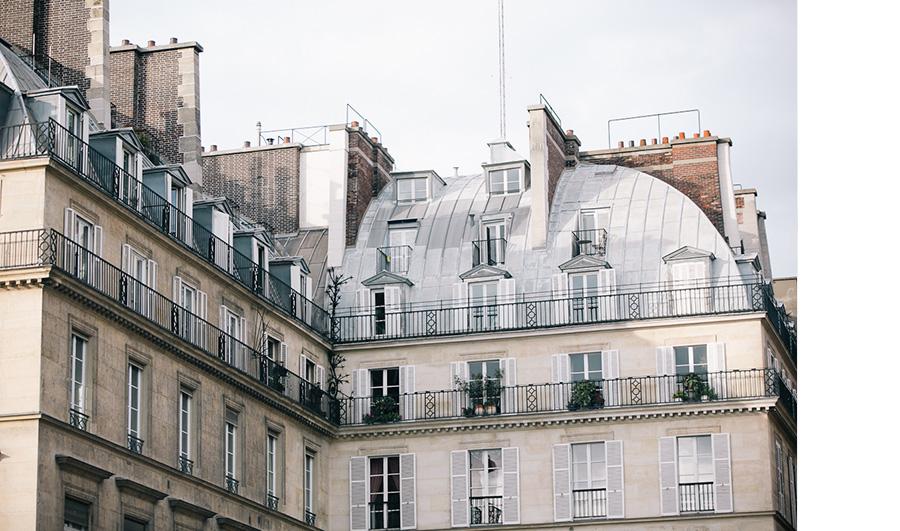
(135, 443)
(589, 242)
(589, 503)
(490, 252)
(186, 465)
(394, 259)
(486, 510)
(47, 247)
(272, 502)
(310, 518)
(231, 484)
(696, 497)
(53, 140)
(41, 64)
(630, 392)
(78, 419)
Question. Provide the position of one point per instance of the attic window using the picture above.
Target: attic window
(412, 190)
(505, 181)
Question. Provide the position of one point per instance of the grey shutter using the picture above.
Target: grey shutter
(779, 476)
(407, 491)
(506, 291)
(560, 284)
(126, 258)
(613, 387)
(407, 388)
(458, 370)
(792, 472)
(562, 483)
(510, 380)
(200, 331)
(560, 374)
(241, 355)
(359, 508)
(615, 480)
(364, 317)
(460, 303)
(668, 476)
(608, 302)
(459, 488)
(722, 495)
(150, 298)
(510, 464)
(716, 365)
(665, 369)
(392, 308)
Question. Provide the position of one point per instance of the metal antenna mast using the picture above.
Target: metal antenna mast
(500, 25)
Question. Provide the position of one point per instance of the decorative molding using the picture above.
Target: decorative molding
(688, 253)
(582, 262)
(484, 271)
(141, 491)
(190, 509)
(386, 278)
(81, 468)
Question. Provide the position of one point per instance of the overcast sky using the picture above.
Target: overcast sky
(426, 74)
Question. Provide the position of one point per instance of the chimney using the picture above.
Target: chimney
(573, 146)
(125, 42)
(368, 169)
(246, 144)
(456, 171)
(287, 140)
(151, 43)
(173, 40)
(546, 154)
(213, 147)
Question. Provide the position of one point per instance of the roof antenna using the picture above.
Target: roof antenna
(502, 51)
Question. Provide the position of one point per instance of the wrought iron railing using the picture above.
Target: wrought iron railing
(618, 393)
(589, 242)
(272, 502)
(53, 140)
(589, 503)
(310, 518)
(185, 465)
(696, 497)
(41, 64)
(135, 443)
(78, 419)
(394, 259)
(491, 252)
(49, 248)
(231, 484)
(485, 510)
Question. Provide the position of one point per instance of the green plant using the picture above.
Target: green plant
(694, 387)
(585, 394)
(384, 409)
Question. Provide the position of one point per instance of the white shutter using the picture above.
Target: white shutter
(779, 477)
(459, 313)
(126, 258)
(614, 389)
(458, 370)
(562, 484)
(392, 307)
(793, 489)
(668, 476)
(510, 465)
(361, 392)
(506, 298)
(223, 318)
(665, 369)
(241, 354)
(283, 353)
(364, 317)
(615, 480)
(560, 374)
(176, 290)
(509, 381)
(608, 302)
(303, 360)
(200, 331)
(407, 491)
(359, 508)
(69, 224)
(320, 377)
(722, 495)
(560, 285)
(98, 240)
(309, 297)
(149, 297)
(152, 268)
(188, 209)
(459, 488)
(716, 364)
(407, 388)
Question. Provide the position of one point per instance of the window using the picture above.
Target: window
(272, 470)
(586, 366)
(72, 145)
(185, 418)
(231, 449)
(485, 382)
(506, 181)
(308, 476)
(695, 473)
(309, 372)
(380, 315)
(779, 477)
(84, 237)
(176, 196)
(79, 370)
(492, 248)
(386, 382)
(396, 257)
(77, 515)
(384, 492)
(589, 480)
(591, 234)
(133, 524)
(483, 305)
(271, 369)
(583, 288)
(128, 162)
(485, 487)
(691, 359)
(234, 329)
(412, 190)
(138, 266)
(189, 304)
(135, 373)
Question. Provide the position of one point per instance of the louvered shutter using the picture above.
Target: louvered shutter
(364, 317)
(392, 308)
(614, 389)
(69, 224)
(359, 508)
(283, 353)
(309, 297)
(665, 369)
(562, 484)
(716, 365)
(126, 258)
(150, 297)
(779, 477)
(152, 268)
(560, 374)
(407, 388)
(98, 253)
(510, 464)
(506, 298)
(407, 491)
(560, 286)
(459, 371)
(189, 215)
(615, 479)
(133, 293)
(722, 495)
(241, 354)
(792, 472)
(608, 303)
(459, 313)
(459, 488)
(668, 476)
(361, 393)
(320, 377)
(200, 330)
(509, 402)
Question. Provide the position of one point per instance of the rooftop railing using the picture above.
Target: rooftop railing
(46, 247)
(394, 259)
(53, 140)
(590, 242)
(491, 251)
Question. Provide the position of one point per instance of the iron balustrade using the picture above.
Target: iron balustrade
(272, 502)
(41, 64)
(394, 259)
(186, 465)
(696, 497)
(53, 140)
(485, 510)
(629, 392)
(589, 503)
(135, 443)
(491, 251)
(231, 484)
(310, 518)
(78, 419)
(46, 247)
(591, 242)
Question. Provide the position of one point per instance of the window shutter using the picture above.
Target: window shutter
(458, 370)
(69, 224)
(460, 302)
(560, 285)
(613, 387)
(359, 509)
(407, 491)
(241, 351)
(320, 377)
(668, 476)
(665, 366)
(509, 381)
(364, 315)
(562, 484)
(309, 297)
(510, 465)
(716, 364)
(176, 290)
(608, 302)
(152, 268)
(98, 240)
(188, 209)
(126, 258)
(506, 298)
(560, 374)
(200, 328)
(615, 479)
(792, 472)
(223, 318)
(393, 314)
(407, 388)
(361, 391)
(721, 449)
(779, 476)
(459, 488)
(283, 353)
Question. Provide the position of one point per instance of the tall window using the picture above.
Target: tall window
(483, 305)
(309, 462)
(583, 289)
(695, 473)
(185, 417)
(494, 243)
(380, 312)
(139, 268)
(272, 469)
(77, 515)
(189, 303)
(78, 363)
(586, 366)
(412, 190)
(133, 524)
(384, 492)
(73, 125)
(135, 374)
(589, 480)
(486, 486)
(84, 238)
(506, 181)
(231, 449)
(269, 369)
(591, 231)
(176, 196)
(485, 381)
(233, 329)
(691, 359)
(386, 382)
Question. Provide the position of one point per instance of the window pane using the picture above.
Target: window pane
(681, 355)
(595, 361)
(700, 354)
(496, 182)
(512, 180)
(577, 361)
(475, 460)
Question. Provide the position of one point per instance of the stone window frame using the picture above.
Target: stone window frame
(187, 383)
(136, 357)
(277, 429)
(91, 334)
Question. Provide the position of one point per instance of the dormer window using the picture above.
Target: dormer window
(412, 190)
(505, 181)
(128, 162)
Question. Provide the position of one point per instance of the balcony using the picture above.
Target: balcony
(135, 443)
(589, 503)
(696, 497)
(490, 252)
(78, 419)
(272, 502)
(589, 242)
(50, 139)
(44, 247)
(611, 394)
(185, 465)
(486, 510)
(309, 517)
(394, 259)
(232, 484)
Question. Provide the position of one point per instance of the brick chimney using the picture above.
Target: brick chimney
(547, 156)
(369, 166)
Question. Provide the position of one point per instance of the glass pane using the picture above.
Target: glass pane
(475, 461)
(577, 366)
(377, 378)
(579, 453)
(595, 361)
(681, 356)
(700, 354)
(496, 182)
(393, 465)
(376, 484)
(704, 446)
(493, 456)
(393, 377)
(493, 369)
(376, 466)
(598, 453)
(512, 179)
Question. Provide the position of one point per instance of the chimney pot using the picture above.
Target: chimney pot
(653, 142)
(631, 143)
(681, 135)
(706, 132)
(213, 147)
(125, 42)
(569, 132)
(173, 40)
(643, 141)
(665, 140)
(202, 149)
(151, 44)
(621, 144)
(269, 141)
(246, 143)
(374, 139)
(696, 135)
(354, 123)
(287, 140)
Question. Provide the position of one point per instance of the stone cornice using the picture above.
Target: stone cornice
(135, 488)
(181, 506)
(79, 467)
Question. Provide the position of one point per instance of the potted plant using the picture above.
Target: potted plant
(585, 394)
(492, 389)
(384, 409)
(694, 389)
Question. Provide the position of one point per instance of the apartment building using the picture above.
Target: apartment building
(568, 339)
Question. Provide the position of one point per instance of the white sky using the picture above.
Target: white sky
(426, 74)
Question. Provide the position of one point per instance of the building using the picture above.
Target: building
(569, 338)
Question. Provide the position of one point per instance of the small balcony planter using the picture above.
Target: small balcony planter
(586, 394)
(695, 389)
(384, 410)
